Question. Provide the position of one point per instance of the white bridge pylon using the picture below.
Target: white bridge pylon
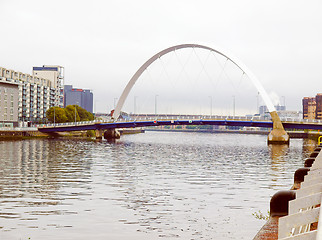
(234, 60)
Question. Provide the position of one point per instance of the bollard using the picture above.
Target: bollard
(308, 162)
(278, 208)
(299, 174)
(314, 154)
(279, 203)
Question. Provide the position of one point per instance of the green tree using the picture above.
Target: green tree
(70, 113)
(67, 114)
(83, 114)
(56, 114)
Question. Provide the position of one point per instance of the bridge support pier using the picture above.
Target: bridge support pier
(98, 134)
(112, 134)
(278, 135)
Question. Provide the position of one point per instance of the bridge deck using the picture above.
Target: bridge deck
(146, 122)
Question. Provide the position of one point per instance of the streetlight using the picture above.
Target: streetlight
(75, 113)
(135, 104)
(234, 106)
(284, 102)
(210, 105)
(155, 104)
(257, 99)
(54, 117)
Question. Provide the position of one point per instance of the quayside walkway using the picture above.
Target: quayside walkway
(304, 213)
(295, 213)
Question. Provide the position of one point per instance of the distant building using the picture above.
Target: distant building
(78, 96)
(280, 108)
(312, 107)
(263, 110)
(9, 94)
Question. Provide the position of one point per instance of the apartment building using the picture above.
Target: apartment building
(37, 92)
(9, 92)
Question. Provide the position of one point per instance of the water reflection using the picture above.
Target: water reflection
(32, 175)
(170, 185)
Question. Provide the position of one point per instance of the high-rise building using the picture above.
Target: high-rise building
(309, 107)
(36, 93)
(318, 111)
(78, 96)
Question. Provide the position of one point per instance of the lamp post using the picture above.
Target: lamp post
(75, 113)
(284, 102)
(135, 104)
(155, 104)
(210, 105)
(234, 106)
(257, 101)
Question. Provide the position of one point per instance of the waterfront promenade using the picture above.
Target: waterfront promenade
(295, 214)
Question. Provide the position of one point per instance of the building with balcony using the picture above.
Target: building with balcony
(78, 96)
(35, 92)
(9, 93)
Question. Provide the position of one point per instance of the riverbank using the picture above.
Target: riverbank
(19, 133)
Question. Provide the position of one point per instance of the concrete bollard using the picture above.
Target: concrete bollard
(279, 203)
(308, 162)
(299, 177)
(278, 208)
(314, 154)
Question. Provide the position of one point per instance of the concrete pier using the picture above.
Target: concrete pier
(278, 135)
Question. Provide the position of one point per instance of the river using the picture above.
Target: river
(155, 185)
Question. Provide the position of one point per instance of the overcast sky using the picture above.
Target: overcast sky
(102, 43)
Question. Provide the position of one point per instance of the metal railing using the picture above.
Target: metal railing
(180, 117)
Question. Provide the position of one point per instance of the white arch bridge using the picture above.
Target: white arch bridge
(278, 134)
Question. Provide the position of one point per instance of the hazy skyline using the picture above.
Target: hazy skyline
(102, 43)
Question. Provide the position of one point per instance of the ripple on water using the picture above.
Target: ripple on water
(152, 185)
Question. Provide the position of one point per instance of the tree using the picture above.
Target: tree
(67, 114)
(56, 114)
(70, 113)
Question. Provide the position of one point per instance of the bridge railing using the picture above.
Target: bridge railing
(179, 117)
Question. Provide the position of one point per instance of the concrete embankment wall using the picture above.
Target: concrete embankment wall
(4, 134)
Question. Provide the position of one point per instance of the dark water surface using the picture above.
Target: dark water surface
(147, 186)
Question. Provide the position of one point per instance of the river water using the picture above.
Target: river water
(156, 185)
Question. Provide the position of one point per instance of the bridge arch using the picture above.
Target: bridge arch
(234, 60)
